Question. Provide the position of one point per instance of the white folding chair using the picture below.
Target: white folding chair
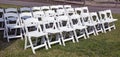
(38, 15)
(45, 8)
(54, 34)
(79, 29)
(11, 10)
(86, 20)
(25, 15)
(34, 31)
(12, 25)
(110, 19)
(61, 12)
(67, 6)
(95, 20)
(25, 9)
(50, 13)
(70, 11)
(84, 9)
(106, 26)
(64, 25)
(78, 11)
(91, 27)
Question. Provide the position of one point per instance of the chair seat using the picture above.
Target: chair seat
(109, 20)
(94, 22)
(2, 28)
(75, 16)
(52, 30)
(1, 20)
(13, 26)
(103, 21)
(79, 27)
(36, 34)
(66, 29)
(112, 20)
(99, 22)
(90, 24)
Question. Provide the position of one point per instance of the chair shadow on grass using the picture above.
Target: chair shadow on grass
(4, 43)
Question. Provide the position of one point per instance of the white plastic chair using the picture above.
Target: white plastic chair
(45, 8)
(91, 27)
(95, 20)
(110, 18)
(86, 20)
(85, 10)
(11, 10)
(33, 29)
(50, 13)
(79, 29)
(51, 28)
(70, 11)
(61, 12)
(106, 26)
(25, 15)
(64, 25)
(38, 15)
(12, 21)
(25, 9)
(79, 11)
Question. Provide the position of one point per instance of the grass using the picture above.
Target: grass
(103, 45)
(8, 5)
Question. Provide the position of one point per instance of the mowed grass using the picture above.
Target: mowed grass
(103, 45)
(8, 5)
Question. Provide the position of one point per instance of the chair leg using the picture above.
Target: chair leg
(59, 36)
(4, 33)
(46, 47)
(21, 34)
(8, 39)
(96, 32)
(62, 38)
(48, 41)
(15, 31)
(103, 27)
(30, 41)
(109, 26)
(86, 31)
(71, 33)
(114, 26)
(7, 36)
(76, 36)
(25, 43)
(45, 43)
(84, 34)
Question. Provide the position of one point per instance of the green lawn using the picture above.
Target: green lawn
(103, 45)
(8, 5)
